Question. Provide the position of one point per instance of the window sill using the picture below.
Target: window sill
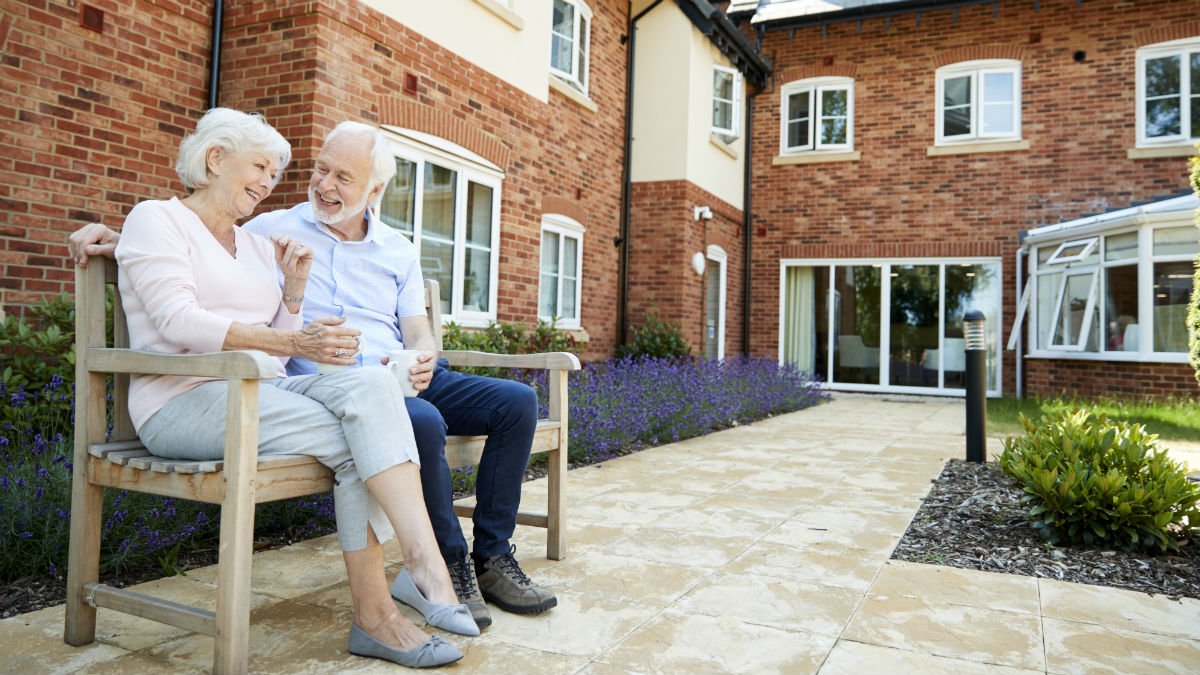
(1125, 357)
(816, 158)
(1162, 151)
(973, 147)
(724, 147)
(501, 10)
(572, 93)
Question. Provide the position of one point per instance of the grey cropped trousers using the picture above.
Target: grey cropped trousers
(353, 421)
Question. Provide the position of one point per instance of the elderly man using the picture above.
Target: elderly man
(370, 273)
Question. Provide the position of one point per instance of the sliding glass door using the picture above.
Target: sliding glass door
(888, 326)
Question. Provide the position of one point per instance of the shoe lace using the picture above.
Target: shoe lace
(507, 565)
(464, 581)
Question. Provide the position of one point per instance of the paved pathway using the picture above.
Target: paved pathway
(762, 549)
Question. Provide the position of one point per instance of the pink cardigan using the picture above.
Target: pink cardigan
(182, 290)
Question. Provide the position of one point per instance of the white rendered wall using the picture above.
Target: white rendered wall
(660, 95)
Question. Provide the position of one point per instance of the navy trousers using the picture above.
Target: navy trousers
(470, 405)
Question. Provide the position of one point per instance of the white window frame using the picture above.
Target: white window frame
(468, 167)
(977, 70)
(566, 228)
(816, 88)
(1189, 129)
(827, 265)
(718, 255)
(581, 33)
(735, 104)
(1079, 342)
(1144, 262)
(1057, 257)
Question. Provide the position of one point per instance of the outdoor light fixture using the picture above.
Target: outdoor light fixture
(699, 263)
(701, 212)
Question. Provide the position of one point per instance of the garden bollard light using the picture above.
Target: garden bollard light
(976, 351)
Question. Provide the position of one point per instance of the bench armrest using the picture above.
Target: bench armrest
(234, 365)
(547, 361)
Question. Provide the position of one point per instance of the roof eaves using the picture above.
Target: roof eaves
(859, 13)
(732, 43)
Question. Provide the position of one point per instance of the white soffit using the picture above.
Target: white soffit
(1181, 208)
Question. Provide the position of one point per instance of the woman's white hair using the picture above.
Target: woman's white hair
(383, 162)
(232, 131)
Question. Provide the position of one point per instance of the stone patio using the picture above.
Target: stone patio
(761, 549)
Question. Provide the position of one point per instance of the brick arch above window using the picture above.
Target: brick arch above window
(567, 207)
(978, 53)
(422, 118)
(794, 73)
(1179, 31)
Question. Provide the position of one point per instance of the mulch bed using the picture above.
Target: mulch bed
(973, 519)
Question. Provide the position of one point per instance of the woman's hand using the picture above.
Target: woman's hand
(326, 340)
(295, 261)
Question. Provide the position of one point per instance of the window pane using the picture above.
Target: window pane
(1172, 287)
(476, 277)
(798, 120)
(913, 355)
(833, 131)
(570, 257)
(550, 253)
(798, 134)
(856, 315)
(1047, 295)
(399, 199)
(1071, 311)
(479, 214)
(722, 115)
(1163, 118)
(1121, 308)
(1121, 246)
(834, 103)
(971, 287)
(956, 91)
(999, 118)
(798, 106)
(570, 308)
(723, 85)
(548, 296)
(956, 122)
(1162, 76)
(437, 204)
(562, 41)
(806, 318)
(1176, 241)
(437, 263)
(998, 88)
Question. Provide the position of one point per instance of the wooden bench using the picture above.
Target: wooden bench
(121, 462)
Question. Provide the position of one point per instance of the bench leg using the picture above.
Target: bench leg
(556, 536)
(83, 557)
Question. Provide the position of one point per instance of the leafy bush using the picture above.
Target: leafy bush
(656, 338)
(1092, 481)
(507, 338)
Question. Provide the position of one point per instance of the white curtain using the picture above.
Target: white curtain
(799, 332)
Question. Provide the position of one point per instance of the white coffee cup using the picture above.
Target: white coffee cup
(400, 362)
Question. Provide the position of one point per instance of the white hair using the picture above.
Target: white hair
(383, 162)
(232, 131)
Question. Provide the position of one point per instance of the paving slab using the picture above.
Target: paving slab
(758, 549)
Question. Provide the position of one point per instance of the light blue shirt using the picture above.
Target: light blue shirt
(372, 282)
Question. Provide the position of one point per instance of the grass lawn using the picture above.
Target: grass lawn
(1176, 420)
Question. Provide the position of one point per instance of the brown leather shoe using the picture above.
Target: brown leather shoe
(505, 585)
(462, 574)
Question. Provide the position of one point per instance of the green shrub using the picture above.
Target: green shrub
(656, 338)
(1093, 481)
(507, 338)
(39, 367)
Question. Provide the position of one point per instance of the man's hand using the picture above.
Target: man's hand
(89, 240)
(421, 374)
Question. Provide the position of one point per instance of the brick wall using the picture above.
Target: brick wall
(99, 118)
(1078, 118)
(1044, 377)
(90, 123)
(664, 237)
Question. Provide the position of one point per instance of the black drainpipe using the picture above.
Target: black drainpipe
(747, 225)
(626, 181)
(214, 65)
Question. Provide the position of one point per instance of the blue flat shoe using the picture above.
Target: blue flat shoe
(434, 652)
(452, 618)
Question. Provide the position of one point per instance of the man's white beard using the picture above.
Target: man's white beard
(322, 214)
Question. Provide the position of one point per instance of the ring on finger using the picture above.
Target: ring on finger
(340, 353)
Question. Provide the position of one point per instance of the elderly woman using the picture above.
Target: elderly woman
(193, 281)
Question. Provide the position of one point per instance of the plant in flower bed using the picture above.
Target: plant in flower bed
(1092, 481)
